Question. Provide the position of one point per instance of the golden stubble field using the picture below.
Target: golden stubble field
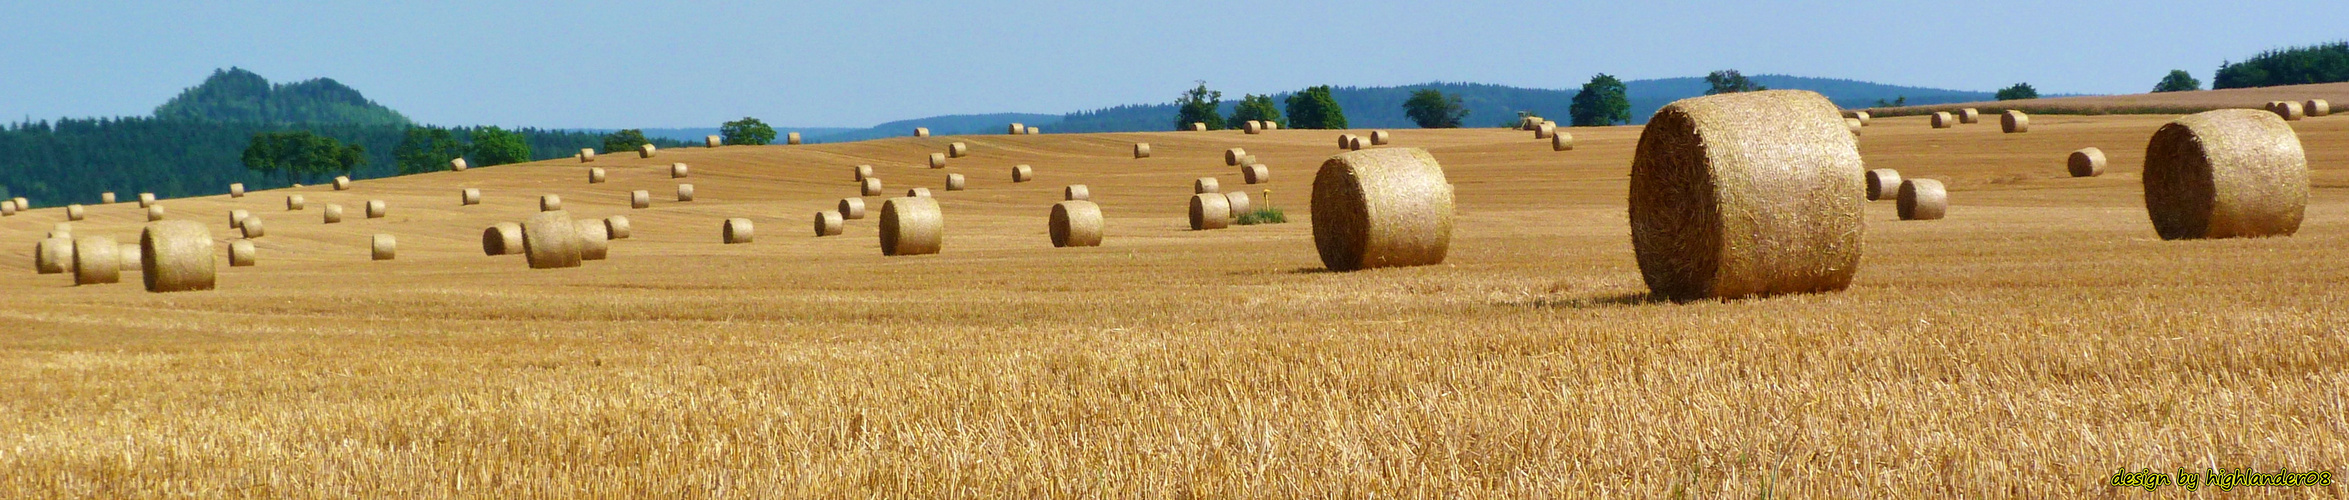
(2034, 342)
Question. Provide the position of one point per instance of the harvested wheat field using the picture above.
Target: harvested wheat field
(2033, 342)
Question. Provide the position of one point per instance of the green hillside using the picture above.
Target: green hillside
(239, 96)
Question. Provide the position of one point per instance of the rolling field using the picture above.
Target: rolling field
(2031, 344)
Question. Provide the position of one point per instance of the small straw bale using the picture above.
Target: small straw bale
(1853, 124)
(550, 202)
(1141, 150)
(240, 253)
(2290, 111)
(376, 209)
(954, 182)
(1545, 130)
(1022, 173)
(1198, 126)
(131, 259)
(595, 175)
(1380, 137)
(2087, 162)
(1256, 174)
(1231, 157)
(918, 193)
(2317, 107)
(1033, 130)
(7, 207)
(106, 198)
(921, 131)
(958, 150)
(1942, 119)
(1076, 192)
(586, 155)
(1883, 184)
(2015, 122)
(470, 196)
(1272, 125)
(872, 186)
(736, 231)
(236, 190)
(236, 218)
(684, 192)
(852, 208)
(154, 213)
(73, 212)
(551, 241)
(640, 199)
(828, 223)
(937, 160)
(595, 240)
(678, 170)
(912, 226)
(384, 247)
(1862, 116)
(1238, 203)
(1018, 128)
(253, 228)
(146, 200)
(97, 260)
(1210, 211)
(1381, 208)
(713, 141)
(1969, 115)
(1528, 122)
(791, 139)
(342, 183)
(648, 150)
(22, 203)
(53, 255)
(1746, 194)
(1922, 199)
(1345, 140)
(1356, 143)
(1253, 127)
(863, 171)
(1076, 223)
(293, 202)
(332, 213)
(1247, 160)
(616, 227)
(1204, 185)
(2229, 173)
(458, 165)
(176, 256)
(504, 238)
(1562, 142)
(63, 229)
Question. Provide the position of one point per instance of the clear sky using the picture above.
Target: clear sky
(852, 63)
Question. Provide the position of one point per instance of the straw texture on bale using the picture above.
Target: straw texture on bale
(2087, 162)
(376, 209)
(1528, 122)
(1076, 223)
(342, 183)
(470, 196)
(852, 208)
(550, 203)
(616, 227)
(1238, 202)
(1231, 157)
(921, 131)
(293, 202)
(595, 240)
(1198, 127)
(331, 213)
(679, 170)
(241, 253)
(684, 192)
(2317, 107)
(1142, 150)
(131, 259)
(828, 223)
(1256, 174)
(1853, 124)
(1969, 115)
(2290, 111)
(1247, 160)
(253, 228)
(736, 230)
(551, 241)
(1022, 173)
(146, 200)
(384, 247)
(1545, 130)
(106, 198)
(640, 199)
(504, 238)
(1076, 192)
(1356, 143)
(1380, 137)
(918, 193)
(1883, 183)
(1017, 128)
(1862, 116)
(863, 171)
(97, 260)
(1922, 199)
(937, 160)
(236, 190)
(458, 165)
(958, 150)
(176, 256)
(646, 151)
(2014, 122)
(63, 230)
(1746, 194)
(154, 213)
(236, 218)
(872, 186)
(1562, 142)
(791, 139)
(912, 226)
(954, 182)
(1210, 211)
(586, 155)
(713, 141)
(595, 175)
(1381, 208)
(1204, 185)
(1345, 140)
(1251, 127)
(1942, 119)
(2227, 173)
(74, 212)
(53, 255)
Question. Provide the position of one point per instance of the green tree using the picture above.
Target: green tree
(746, 131)
(496, 146)
(1313, 108)
(2178, 81)
(301, 154)
(1894, 103)
(1728, 81)
(1602, 102)
(1430, 108)
(624, 140)
(2019, 91)
(1199, 105)
(1255, 107)
(426, 149)
(2326, 63)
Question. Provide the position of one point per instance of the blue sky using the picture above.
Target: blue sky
(695, 64)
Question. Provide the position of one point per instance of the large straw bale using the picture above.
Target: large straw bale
(1210, 211)
(1238, 202)
(595, 240)
(550, 202)
(1076, 192)
(954, 182)
(331, 213)
(640, 199)
(469, 196)
(1745, 194)
(551, 241)
(735, 231)
(504, 238)
(253, 228)
(376, 209)
(616, 227)
(1883, 184)
(872, 186)
(241, 253)
(1256, 174)
(1141, 150)
(384, 247)
(852, 208)
(1204, 185)
(1022, 173)
(1076, 223)
(828, 223)
(2087, 162)
(684, 192)
(1922, 199)
(176, 256)
(1381, 208)
(53, 255)
(912, 226)
(236, 190)
(2014, 122)
(2227, 173)
(648, 150)
(97, 260)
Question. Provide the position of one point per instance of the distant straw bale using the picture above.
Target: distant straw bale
(1969, 115)
(595, 240)
(678, 170)
(342, 183)
(1076, 223)
(912, 226)
(1238, 202)
(684, 192)
(550, 202)
(937, 160)
(1142, 150)
(1922, 199)
(713, 141)
(640, 199)
(1076, 192)
(1380, 137)
(586, 155)
(852, 208)
(595, 175)
(236, 190)
(458, 165)
(504, 238)
(1210, 211)
(176, 256)
(2015, 122)
(376, 209)
(241, 253)
(646, 151)
(331, 214)
(53, 255)
(1022, 173)
(293, 202)
(2087, 162)
(736, 231)
(616, 227)
(958, 150)
(253, 228)
(1256, 174)
(872, 186)
(469, 196)
(828, 223)
(954, 182)
(1231, 157)
(1883, 184)
(383, 247)
(1204, 185)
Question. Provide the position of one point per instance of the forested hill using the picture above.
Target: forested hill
(236, 95)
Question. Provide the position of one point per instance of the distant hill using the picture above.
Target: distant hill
(945, 125)
(238, 96)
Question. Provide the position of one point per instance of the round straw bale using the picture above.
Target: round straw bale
(1345, 140)
(333, 213)
(550, 240)
(63, 230)
(1545, 130)
(131, 260)
(1076, 192)
(1017, 128)
(586, 155)
(640, 199)
(73, 212)
(1198, 127)
(236, 190)
(1232, 156)
(954, 182)
(937, 160)
(1942, 119)
(1022, 173)
(550, 202)
(1862, 116)
(7, 207)
(1076, 223)
(458, 165)
(958, 150)
(176, 255)
(2087, 162)
(236, 218)
(912, 226)
(1256, 174)
(106, 198)
(154, 213)
(240, 253)
(376, 209)
(146, 200)
(23, 204)
(791, 139)
(616, 227)
(1380, 137)
(1141, 150)
(1237, 202)
(53, 255)
(1969, 115)
(2015, 122)
(918, 193)
(2290, 111)
(678, 170)
(595, 175)
(504, 238)
(713, 141)
(684, 192)
(648, 150)
(863, 171)
(1853, 124)
(736, 230)
(342, 183)
(1253, 127)
(828, 223)
(872, 186)
(1562, 142)
(384, 247)
(1357, 142)
(2227, 173)
(1883, 183)
(97, 260)
(469, 196)
(293, 202)
(1210, 211)
(852, 208)
(1528, 122)
(921, 131)
(595, 240)
(1033, 130)
(1204, 185)
(1743, 194)
(2317, 107)
(1381, 208)
(1922, 199)
(1247, 160)
(253, 228)
(1272, 125)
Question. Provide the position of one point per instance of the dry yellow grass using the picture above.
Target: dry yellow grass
(2028, 345)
